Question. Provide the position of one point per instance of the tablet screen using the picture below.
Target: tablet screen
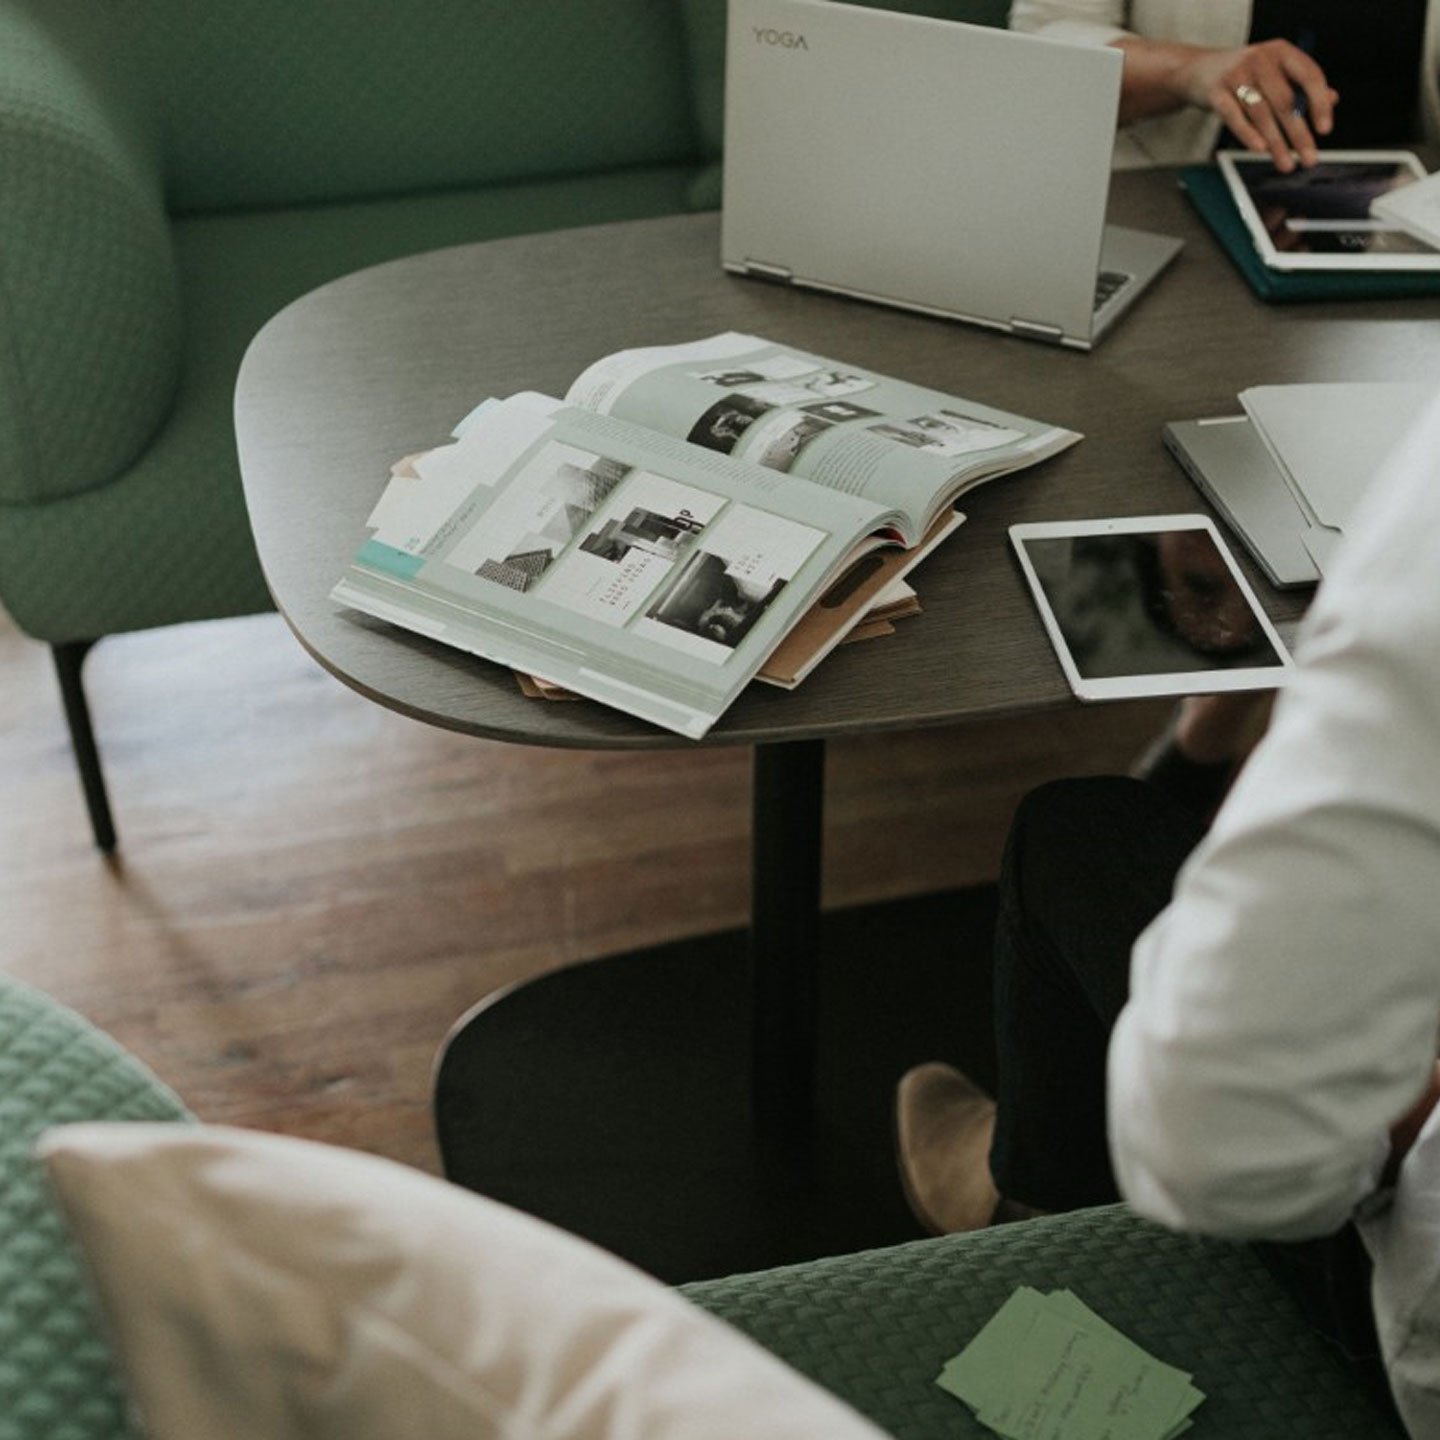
(1325, 210)
(1148, 603)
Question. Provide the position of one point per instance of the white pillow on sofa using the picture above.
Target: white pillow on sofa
(267, 1287)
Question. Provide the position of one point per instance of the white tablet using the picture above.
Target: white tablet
(1319, 219)
(1149, 605)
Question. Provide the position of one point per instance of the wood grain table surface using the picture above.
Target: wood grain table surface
(384, 362)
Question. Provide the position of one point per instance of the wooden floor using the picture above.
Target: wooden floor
(309, 888)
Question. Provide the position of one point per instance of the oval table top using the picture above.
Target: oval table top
(384, 362)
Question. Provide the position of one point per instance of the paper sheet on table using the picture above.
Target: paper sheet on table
(1414, 208)
(426, 489)
(1330, 438)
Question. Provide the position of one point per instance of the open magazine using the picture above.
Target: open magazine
(649, 540)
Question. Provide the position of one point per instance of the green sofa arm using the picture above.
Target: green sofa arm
(57, 1377)
(872, 1327)
(89, 301)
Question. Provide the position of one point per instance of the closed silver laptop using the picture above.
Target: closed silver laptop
(1232, 468)
(955, 169)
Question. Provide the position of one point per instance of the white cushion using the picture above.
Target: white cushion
(260, 1286)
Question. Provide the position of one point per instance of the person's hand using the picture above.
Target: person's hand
(1269, 95)
(1216, 729)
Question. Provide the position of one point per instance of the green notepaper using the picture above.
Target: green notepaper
(1046, 1367)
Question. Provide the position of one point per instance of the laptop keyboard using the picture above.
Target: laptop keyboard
(1109, 283)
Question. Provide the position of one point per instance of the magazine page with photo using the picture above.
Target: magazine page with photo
(840, 426)
(607, 560)
(685, 515)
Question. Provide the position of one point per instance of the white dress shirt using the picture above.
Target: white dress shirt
(1284, 1008)
(1188, 136)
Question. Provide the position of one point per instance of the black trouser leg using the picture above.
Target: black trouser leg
(1088, 865)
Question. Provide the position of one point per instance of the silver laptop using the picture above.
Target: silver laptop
(955, 169)
(1232, 467)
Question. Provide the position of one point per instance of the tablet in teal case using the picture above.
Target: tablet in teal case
(1207, 190)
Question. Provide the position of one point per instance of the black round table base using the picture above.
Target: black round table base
(613, 1097)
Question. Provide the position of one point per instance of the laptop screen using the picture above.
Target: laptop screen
(904, 159)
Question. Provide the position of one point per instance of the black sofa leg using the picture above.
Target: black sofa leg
(69, 657)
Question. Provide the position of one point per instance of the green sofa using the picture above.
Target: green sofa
(872, 1328)
(173, 174)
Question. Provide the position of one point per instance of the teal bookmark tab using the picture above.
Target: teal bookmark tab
(376, 556)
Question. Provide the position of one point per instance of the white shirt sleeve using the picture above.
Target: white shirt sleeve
(1082, 22)
(1284, 1007)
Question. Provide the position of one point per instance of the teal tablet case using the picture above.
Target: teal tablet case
(1207, 190)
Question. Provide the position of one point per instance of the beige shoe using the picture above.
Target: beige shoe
(943, 1127)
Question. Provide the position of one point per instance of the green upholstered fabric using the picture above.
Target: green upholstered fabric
(707, 188)
(170, 175)
(876, 1327)
(268, 102)
(169, 541)
(56, 1378)
(705, 61)
(89, 305)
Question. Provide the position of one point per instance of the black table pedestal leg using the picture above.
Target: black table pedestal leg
(722, 1103)
(786, 842)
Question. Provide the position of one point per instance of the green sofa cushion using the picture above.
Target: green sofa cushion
(876, 1327)
(271, 103)
(89, 305)
(112, 116)
(169, 541)
(56, 1377)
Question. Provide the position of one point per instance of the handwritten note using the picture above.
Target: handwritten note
(1047, 1367)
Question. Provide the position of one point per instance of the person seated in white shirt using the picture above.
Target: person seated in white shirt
(1256, 73)
(1276, 75)
(1255, 1054)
